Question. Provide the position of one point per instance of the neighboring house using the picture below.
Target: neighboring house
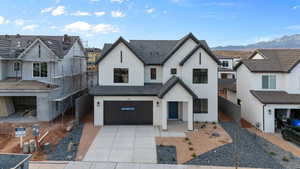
(227, 89)
(268, 87)
(93, 55)
(154, 81)
(228, 60)
(40, 76)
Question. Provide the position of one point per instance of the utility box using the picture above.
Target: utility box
(14, 161)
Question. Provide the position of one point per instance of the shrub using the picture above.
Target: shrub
(190, 143)
(214, 122)
(191, 148)
(194, 155)
(187, 139)
(286, 159)
(272, 153)
(215, 127)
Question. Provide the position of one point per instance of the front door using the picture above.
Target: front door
(173, 110)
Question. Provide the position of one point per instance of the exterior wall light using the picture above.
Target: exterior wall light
(98, 104)
(270, 112)
(157, 104)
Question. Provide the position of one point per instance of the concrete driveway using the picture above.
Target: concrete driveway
(124, 144)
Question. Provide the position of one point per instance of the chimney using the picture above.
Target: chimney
(66, 39)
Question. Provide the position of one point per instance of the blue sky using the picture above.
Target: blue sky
(220, 22)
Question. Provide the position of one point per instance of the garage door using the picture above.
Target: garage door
(128, 112)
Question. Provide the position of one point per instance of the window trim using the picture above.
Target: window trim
(199, 82)
(40, 70)
(127, 69)
(14, 66)
(201, 111)
(154, 77)
(173, 69)
(269, 82)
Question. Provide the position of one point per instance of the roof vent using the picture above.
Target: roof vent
(18, 36)
(6, 36)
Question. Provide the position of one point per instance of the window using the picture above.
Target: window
(121, 56)
(239, 102)
(120, 75)
(225, 63)
(200, 76)
(200, 106)
(268, 81)
(173, 71)
(200, 58)
(153, 73)
(40, 69)
(17, 66)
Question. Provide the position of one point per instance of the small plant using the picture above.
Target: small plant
(214, 123)
(215, 127)
(190, 143)
(194, 155)
(186, 139)
(286, 159)
(173, 159)
(191, 148)
(272, 153)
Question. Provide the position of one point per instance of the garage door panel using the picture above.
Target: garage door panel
(128, 112)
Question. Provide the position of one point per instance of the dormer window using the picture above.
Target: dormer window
(153, 73)
(225, 63)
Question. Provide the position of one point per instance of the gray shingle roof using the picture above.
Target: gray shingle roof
(276, 97)
(11, 46)
(154, 52)
(149, 89)
(275, 60)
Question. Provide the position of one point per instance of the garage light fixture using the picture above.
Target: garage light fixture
(270, 112)
(157, 104)
(98, 104)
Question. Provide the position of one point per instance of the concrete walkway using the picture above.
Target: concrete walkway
(123, 144)
(111, 165)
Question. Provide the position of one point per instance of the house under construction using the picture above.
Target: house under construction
(40, 76)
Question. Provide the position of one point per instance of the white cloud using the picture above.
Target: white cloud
(263, 39)
(30, 27)
(293, 27)
(47, 10)
(117, 14)
(296, 7)
(77, 26)
(80, 13)
(100, 13)
(54, 27)
(94, 0)
(89, 29)
(3, 20)
(176, 1)
(104, 29)
(58, 11)
(19, 22)
(165, 12)
(117, 1)
(150, 10)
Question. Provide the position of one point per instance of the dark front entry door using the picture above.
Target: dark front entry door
(128, 112)
(173, 110)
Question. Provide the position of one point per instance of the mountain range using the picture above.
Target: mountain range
(290, 41)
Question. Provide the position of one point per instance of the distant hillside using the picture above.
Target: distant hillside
(292, 41)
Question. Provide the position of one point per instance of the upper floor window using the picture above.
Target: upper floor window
(120, 75)
(200, 106)
(173, 71)
(121, 56)
(200, 58)
(17, 66)
(268, 81)
(225, 63)
(153, 73)
(200, 76)
(40, 69)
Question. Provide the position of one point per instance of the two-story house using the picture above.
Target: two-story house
(268, 87)
(40, 76)
(155, 81)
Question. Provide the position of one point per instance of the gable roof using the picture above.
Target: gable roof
(154, 52)
(171, 83)
(207, 50)
(11, 46)
(275, 60)
(232, 54)
(110, 47)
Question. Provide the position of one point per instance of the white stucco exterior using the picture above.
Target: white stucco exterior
(252, 109)
(139, 74)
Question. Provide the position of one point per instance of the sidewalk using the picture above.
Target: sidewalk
(111, 165)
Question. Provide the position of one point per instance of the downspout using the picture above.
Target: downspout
(264, 117)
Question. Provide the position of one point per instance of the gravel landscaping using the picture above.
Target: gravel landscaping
(251, 150)
(166, 154)
(67, 148)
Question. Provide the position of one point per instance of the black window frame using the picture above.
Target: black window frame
(225, 63)
(17, 66)
(200, 76)
(153, 73)
(118, 75)
(200, 106)
(200, 58)
(173, 71)
(40, 69)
